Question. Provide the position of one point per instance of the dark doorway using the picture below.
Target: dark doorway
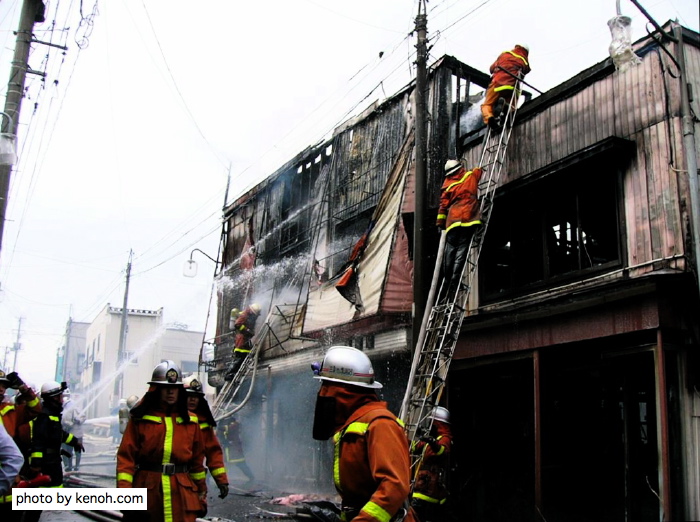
(493, 463)
(599, 456)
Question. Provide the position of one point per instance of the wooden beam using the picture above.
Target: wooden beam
(662, 430)
(538, 429)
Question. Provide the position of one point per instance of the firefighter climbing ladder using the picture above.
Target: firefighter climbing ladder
(442, 322)
(223, 405)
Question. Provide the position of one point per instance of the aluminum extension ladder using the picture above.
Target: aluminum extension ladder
(223, 405)
(442, 321)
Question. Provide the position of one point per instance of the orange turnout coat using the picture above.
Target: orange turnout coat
(213, 453)
(502, 83)
(372, 469)
(515, 62)
(164, 453)
(429, 485)
(12, 416)
(459, 204)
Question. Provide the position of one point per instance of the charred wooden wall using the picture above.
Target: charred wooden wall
(344, 176)
(641, 104)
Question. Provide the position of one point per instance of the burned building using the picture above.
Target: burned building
(574, 385)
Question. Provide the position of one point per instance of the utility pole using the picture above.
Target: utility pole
(17, 346)
(419, 297)
(691, 162)
(118, 383)
(32, 12)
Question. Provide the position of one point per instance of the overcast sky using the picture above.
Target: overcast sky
(127, 143)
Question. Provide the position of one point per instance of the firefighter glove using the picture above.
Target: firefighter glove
(15, 381)
(431, 442)
(440, 224)
(79, 446)
(223, 490)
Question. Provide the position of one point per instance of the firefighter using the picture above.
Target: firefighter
(433, 451)
(162, 449)
(234, 449)
(371, 468)
(13, 415)
(125, 406)
(505, 71)
(459, 216)
(245, 330)
(11, 461)
(72, 419)
(213, 452)
(46, 434)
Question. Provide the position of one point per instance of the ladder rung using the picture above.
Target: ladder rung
(444, 321)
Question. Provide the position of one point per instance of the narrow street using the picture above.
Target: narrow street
(99, 462)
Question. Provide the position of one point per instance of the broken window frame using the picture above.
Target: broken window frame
(532, 212)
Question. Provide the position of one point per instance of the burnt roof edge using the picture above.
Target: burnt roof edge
(596, 72)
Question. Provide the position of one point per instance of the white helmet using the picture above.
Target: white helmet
(192, 385)
(524, 46)
(451, 165)
(440, 414)
(167, 373)
(255, 308)
(52, 388)
(131, 401)
(348, 365)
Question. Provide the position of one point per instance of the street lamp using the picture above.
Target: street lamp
(190, 268)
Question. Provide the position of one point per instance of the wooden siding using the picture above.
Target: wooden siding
(362, 159)
(641, 104)
(692, 66)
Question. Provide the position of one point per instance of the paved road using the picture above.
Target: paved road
(98, 467)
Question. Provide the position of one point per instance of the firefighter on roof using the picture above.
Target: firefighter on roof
(162, 449)
(505, 71)
(371, 468)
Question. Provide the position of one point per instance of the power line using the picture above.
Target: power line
(177, 88)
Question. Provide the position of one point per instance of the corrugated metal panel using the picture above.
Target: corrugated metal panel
(391, 341)
(326, 307)
(641, 104)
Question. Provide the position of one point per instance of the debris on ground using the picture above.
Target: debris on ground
(299, 498)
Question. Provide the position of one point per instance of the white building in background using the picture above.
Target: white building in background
(72, 354)
(148, 342)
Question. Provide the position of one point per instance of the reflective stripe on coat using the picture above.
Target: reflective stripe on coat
(515, 62)
(158, 439)
(214, 453)
(459, 204)
(371, 469)
(430, 482)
